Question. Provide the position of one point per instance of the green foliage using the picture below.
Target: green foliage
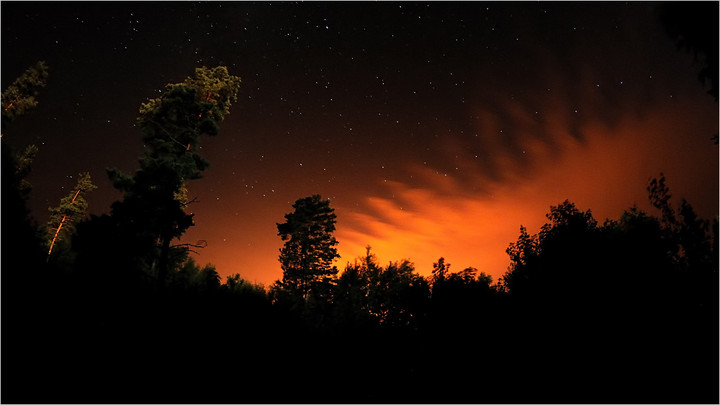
(19, 97)
(24, 165)
(306, 257)
(155, 197)
(72, 209)
(172, 124)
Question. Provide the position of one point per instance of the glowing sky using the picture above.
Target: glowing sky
(436, 129)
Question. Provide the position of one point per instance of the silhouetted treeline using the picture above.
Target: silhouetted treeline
(624, 311)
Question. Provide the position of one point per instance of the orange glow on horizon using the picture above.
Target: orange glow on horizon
(607, 173)
(470, 220)
(471, 214)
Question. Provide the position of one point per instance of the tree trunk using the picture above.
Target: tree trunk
(57, 232)
(163, 263)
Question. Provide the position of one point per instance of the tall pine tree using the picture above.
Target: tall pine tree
(309, 250)
(153, 206)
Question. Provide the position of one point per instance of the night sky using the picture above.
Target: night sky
(436, 129)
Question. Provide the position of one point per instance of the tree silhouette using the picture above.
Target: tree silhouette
(690, 242)
(309, 250)
(575, 278)
(235, 284)
(522, 254)
(560, 253)
(462, 302)
(17, 99)
(393, 296)
(352, 293)
(693, 26)
(152, 210)
(601, 313)
(689, 236)
(22, 239)
(440, 271)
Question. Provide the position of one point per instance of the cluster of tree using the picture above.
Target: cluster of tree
(138, 233)
(637, 296)
(365, 293)
(17, 100)
(626, 311)
(153, 211)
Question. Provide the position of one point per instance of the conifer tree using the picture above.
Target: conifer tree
(171, 127)
(20, 95)
(73, 208)
(309, 250)
(25, 242)
(17, 99)
(24, 165)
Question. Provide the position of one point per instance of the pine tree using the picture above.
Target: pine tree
(20, 95)
(71, 210)
(171, 127)
(309, 249)
(24, 165)
(17, 99)
(24, 244)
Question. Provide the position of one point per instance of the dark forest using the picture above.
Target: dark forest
(116, 307)
(112, 308)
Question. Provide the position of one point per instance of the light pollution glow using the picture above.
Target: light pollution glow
(473, 142)
(607, 173)
(591, 125)
(471, 220)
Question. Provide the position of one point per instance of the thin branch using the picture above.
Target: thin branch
(194, 200)
(199, 244)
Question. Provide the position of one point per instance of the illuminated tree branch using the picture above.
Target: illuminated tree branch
(71, 209)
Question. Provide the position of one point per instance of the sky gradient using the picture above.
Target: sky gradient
(435, 129)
